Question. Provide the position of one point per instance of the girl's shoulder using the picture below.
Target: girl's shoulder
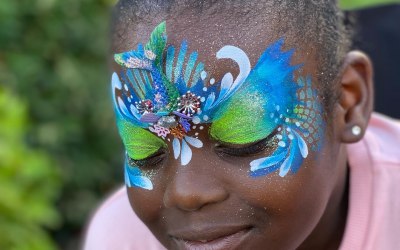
(383, 139)
(114, 225)
(374, 202)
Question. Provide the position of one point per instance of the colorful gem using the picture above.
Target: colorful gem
(178, 131)
(149, 118)
(159, 130)
(144, 106)
(189, 104)
(149, 55)
(167, 122)
(135, 63)
(185, 124)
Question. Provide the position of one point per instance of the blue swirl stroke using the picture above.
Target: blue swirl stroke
(135, 178)
(287, 158)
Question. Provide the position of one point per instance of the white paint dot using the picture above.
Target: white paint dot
(279, 137)
(288, 130)
(203, 75)
(287, 120)
(205, 89)
(126, 87)
(196, 120)
(278, 107)
(203, 99)
(194, 127)
(205, 118)
(279, 129)
(298, 124)
(212, 81)
(282, 144)
(196, 134)
(201, 127)
(291, 137)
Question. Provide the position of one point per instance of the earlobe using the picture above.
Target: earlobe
(356, 99)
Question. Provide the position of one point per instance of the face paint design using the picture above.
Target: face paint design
(154, 105)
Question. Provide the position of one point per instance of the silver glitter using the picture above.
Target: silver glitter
(167, 122)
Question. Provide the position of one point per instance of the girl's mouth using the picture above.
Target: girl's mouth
(212, 239)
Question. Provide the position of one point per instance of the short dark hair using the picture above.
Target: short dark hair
(317, 22)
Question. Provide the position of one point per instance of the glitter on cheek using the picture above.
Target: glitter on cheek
(151, 174)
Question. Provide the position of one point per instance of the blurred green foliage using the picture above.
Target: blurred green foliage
(29, 183)
(54, 55)
(356, 4)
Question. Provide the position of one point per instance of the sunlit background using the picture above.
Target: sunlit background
(59, 149)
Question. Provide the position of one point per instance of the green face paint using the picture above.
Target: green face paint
(139, 143)
(242, 121)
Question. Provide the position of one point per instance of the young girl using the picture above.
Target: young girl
(247, 125)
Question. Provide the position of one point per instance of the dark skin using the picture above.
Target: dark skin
(214, 191)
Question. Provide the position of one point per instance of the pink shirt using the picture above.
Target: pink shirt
(374, 209)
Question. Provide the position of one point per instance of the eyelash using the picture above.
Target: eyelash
(253, 149)
(156, 159)
(150, 162)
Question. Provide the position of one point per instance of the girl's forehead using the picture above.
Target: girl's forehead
(208, 33)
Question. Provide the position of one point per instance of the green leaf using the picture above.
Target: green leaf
(358, 4)
(29, 182)
(157, 42)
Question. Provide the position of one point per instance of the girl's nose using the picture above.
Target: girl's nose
(192, 188)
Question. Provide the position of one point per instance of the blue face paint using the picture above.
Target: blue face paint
(168, 104)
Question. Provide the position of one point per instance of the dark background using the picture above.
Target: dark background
(378, 34)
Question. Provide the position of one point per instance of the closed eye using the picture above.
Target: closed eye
(150, 162)
(250, 149)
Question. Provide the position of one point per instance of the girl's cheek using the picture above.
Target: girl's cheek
(146, 204)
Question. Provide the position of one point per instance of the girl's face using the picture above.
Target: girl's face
(242, 160)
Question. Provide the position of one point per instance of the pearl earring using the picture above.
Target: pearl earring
(356, 130)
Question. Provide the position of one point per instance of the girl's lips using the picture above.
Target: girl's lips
(216, 240)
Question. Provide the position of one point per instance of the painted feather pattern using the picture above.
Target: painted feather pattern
(164, 95)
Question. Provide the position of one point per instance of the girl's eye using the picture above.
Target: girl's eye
(267, 143)
(152, 161)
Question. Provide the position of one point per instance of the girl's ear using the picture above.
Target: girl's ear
(356, 97)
